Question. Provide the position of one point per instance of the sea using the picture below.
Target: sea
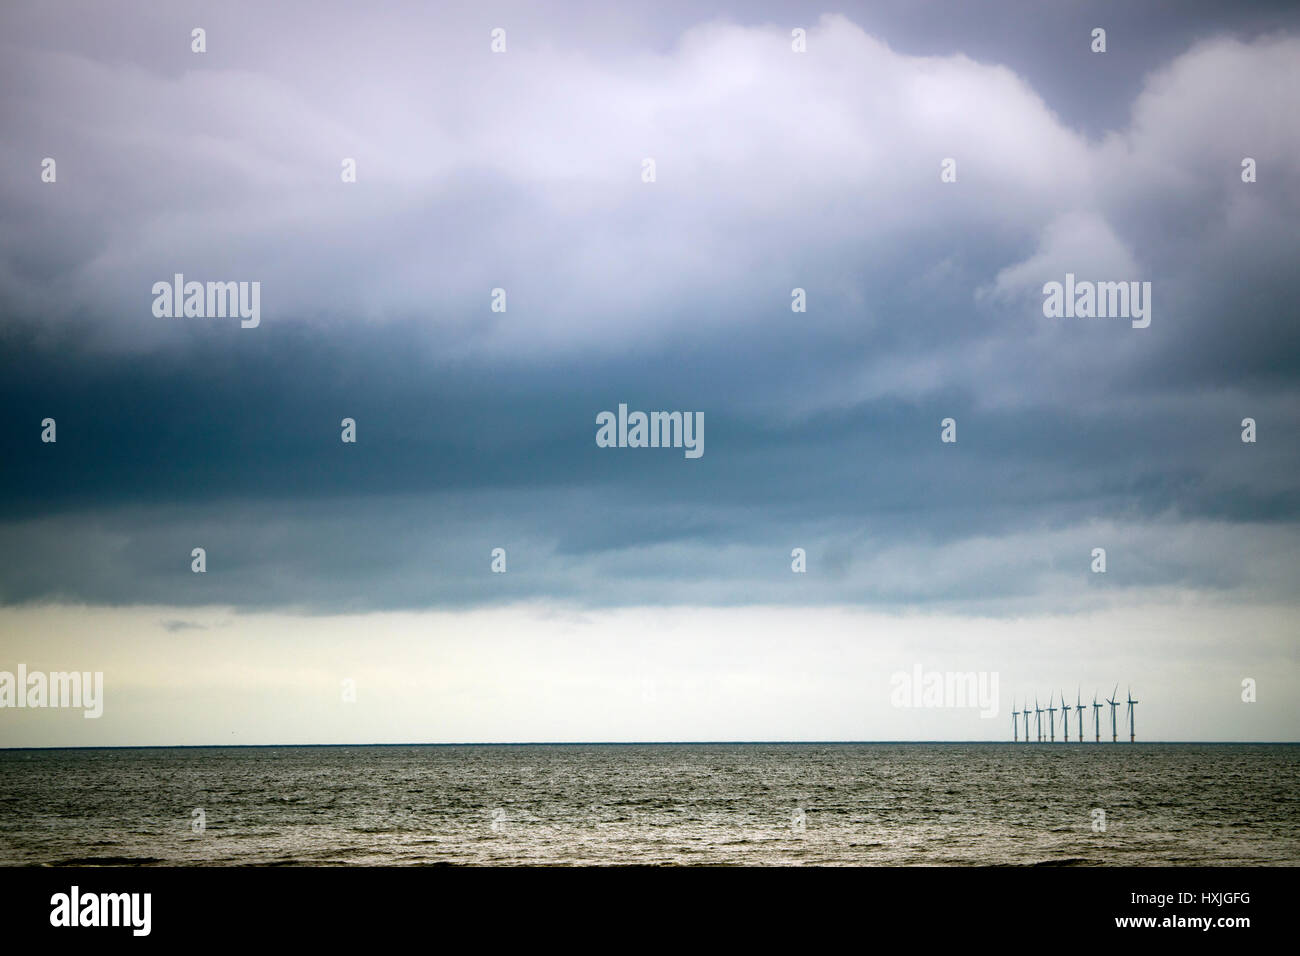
(807, 804)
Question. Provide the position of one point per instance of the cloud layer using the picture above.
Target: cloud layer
(522, 171)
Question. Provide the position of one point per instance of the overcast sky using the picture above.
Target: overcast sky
(648, 596)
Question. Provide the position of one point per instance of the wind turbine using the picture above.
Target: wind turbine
(1096, 716)
(1114, 734)
(1078, 705)
(1015, 726)
(1026, 713)
(1038, 719)
(1051, 718)
(1131, 704)
(1065, 720)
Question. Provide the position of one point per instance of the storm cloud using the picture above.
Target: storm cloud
(522, 171)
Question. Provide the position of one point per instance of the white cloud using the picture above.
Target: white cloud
(1080, 242)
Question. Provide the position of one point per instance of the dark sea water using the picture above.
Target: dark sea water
(954, 804)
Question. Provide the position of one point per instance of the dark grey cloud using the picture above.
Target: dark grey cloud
(477, 430)
(175, 625)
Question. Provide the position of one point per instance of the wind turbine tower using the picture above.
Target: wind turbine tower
(1114, 733)
(1078, 705)
(1015, 725)
(1065, 720)
(1038, 719)
(1096, 716)
(1051, 719)
(1131, 706)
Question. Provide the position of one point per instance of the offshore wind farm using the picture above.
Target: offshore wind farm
(1079, 707)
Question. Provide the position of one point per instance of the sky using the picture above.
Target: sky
(647, 595)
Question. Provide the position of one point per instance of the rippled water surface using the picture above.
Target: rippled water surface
(655, 803)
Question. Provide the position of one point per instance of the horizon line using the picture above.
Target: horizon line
(660, 743)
